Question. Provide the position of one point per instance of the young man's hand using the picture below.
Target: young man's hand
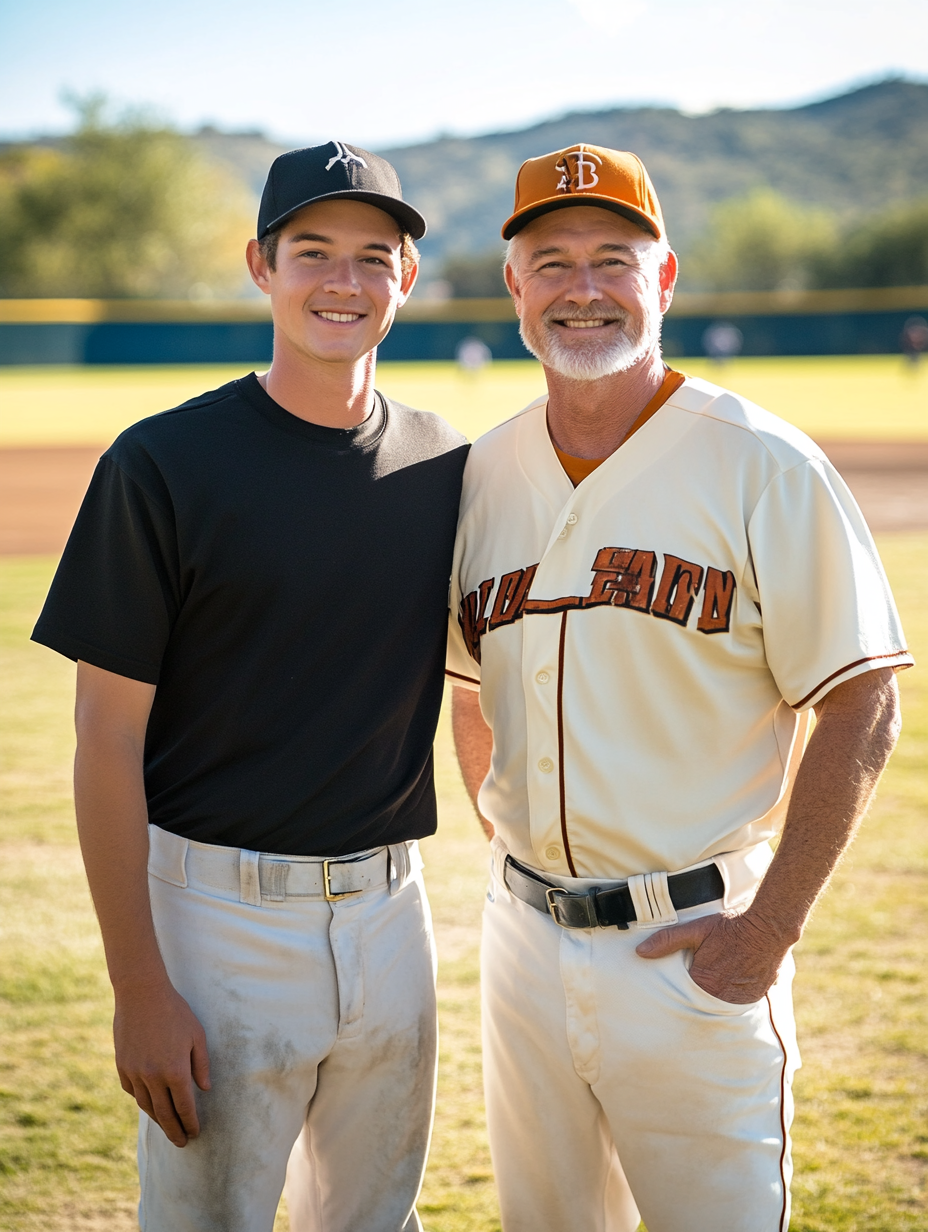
(160, 1053)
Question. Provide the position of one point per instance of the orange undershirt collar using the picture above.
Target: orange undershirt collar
(577, 469)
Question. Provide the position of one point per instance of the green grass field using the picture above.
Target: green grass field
(66, 1128)
(843, 397)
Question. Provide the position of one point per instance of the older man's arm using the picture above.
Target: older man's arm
(737, 957)
(473, 741)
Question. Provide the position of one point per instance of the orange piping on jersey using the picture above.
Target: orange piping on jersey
(562, 787)
(857, 662)
(783, 1129)
(577, 469)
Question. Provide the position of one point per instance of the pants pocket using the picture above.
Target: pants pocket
(700, 997)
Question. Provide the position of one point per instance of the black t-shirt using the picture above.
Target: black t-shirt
(285, 586)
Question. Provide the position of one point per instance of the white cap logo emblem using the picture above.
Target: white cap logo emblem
(580, 175)
(342, 155)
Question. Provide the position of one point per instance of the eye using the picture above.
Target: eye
(552, 265)
(373, 261)
(312, 252)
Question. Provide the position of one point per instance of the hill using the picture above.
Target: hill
(854, 154)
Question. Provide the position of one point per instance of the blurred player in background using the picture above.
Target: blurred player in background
(915, 339)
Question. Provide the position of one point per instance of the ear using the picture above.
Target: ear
(258, 267)
(407, 283)
(668, 278)
(514, 289)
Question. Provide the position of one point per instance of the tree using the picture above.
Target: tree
(889, 250)
(120, 208)
(476, 277)
(761, 242)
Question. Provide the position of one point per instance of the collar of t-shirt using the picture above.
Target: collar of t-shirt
(577, 469)
(363, 436)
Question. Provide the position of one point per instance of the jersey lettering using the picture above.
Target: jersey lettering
(715, 616)
(472, 619)
(622, 577)
(677, 590)
(565, 604)
(510, 598)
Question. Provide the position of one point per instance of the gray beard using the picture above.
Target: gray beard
(591, 360)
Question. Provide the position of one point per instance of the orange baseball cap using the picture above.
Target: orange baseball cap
(585, 175)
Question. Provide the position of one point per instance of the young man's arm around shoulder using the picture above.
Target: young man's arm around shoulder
(160, 1045)
(473, 742)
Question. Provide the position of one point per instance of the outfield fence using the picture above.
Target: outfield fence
(82, 331)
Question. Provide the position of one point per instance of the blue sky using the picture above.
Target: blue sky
(395, 71)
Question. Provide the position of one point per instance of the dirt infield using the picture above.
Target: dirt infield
(41, 489)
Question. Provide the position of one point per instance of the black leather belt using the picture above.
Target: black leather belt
(595, 908)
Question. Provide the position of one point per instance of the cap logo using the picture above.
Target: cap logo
(578, 171)
(343, 156)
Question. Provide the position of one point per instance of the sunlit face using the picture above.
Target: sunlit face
(338, 280)
(590, 288)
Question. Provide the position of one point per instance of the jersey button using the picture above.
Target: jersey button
(572, 519)
(542, 677)
(546, 765)
(552, 853)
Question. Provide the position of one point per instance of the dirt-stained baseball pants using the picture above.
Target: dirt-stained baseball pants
(320, 1021)
(616, 1086)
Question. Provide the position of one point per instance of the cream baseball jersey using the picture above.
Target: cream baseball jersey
(648, 645)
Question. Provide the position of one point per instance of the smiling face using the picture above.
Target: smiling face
(338, 280)
(590, 288)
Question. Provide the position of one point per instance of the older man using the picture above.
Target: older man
(656, 585)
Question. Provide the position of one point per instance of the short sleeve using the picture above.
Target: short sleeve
(826, 607)
(116, 593)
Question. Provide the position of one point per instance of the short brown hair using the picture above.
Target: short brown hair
(409, 253)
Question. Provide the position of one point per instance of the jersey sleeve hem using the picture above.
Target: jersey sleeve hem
(467, 682)
(897, 659)
(73, 648)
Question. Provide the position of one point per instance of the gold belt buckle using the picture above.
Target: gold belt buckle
(327, 884)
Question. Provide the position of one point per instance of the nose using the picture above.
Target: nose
(341, 278)
(583, 288)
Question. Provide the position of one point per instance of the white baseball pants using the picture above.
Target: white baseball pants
(320, 1021)
(617, 1088)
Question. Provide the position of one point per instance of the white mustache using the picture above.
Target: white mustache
(553, 315)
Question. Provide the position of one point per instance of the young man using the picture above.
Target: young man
(655, 585)
(255, 591)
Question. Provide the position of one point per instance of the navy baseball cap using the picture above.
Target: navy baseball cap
(333, 172)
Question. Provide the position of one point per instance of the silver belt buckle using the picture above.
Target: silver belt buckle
(551, 898)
